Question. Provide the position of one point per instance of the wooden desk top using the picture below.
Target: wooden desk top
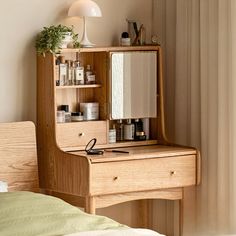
(141, 152)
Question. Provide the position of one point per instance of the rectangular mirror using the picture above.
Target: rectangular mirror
(133, 84)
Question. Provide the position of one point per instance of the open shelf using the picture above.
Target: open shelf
(80, 86)
(115, 145)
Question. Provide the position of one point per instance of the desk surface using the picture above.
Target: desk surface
(141, 152)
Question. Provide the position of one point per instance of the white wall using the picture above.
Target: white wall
(22, 20)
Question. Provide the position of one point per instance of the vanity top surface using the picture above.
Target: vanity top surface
(136, 153)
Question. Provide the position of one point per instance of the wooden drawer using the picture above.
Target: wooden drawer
(145, 174)
(79, 133)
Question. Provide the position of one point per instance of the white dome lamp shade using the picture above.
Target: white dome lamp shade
(85, 8)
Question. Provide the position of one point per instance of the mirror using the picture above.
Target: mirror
(133, 84)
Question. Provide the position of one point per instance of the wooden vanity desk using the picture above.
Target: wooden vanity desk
(152, 169)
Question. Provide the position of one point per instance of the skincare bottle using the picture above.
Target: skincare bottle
(57, 72)
(79, 73)
(112, 135)
(119, 131)
(146, 127)
(72, 73)
(63, 71)
(69, 73)
(65, 108)
(89, 76)
(128, 130)
(138, 126)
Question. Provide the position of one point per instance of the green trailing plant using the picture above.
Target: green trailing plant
(50, 39)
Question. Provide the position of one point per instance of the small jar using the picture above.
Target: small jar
(125, 40)
(77, 116)
(60, 116)
(112, 135)
(67, 113)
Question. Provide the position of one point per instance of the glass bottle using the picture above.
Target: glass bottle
(128, 130)
(79, 73)
(119, 130)
(89, 76)
(62, 71)
(57, 71)
(138, 126)
(69, 74)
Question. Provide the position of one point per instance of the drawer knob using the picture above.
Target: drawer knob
(172, 172)
(81, 134)
(115, 178)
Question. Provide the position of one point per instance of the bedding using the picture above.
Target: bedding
(31, 214)
(123, 232)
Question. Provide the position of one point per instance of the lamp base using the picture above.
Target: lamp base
(85, 43)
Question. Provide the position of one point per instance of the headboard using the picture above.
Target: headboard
(18, 156)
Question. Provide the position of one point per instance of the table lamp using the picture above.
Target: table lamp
(85, 8)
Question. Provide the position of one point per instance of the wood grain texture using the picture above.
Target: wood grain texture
(129, 176)
(80, 133)
(109, 200)
(138, 153)
(147, 171)
(18, 157)
(58, 171)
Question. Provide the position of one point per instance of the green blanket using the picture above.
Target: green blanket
(32, 214)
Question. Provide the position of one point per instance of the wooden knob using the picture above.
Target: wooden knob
(81, 134)
(172, 172)
(115, 178)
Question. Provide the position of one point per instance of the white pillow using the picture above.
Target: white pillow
(3, 187)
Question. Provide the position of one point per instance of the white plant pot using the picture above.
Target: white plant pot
(67, 41)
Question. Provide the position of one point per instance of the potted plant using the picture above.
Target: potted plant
(54, 38)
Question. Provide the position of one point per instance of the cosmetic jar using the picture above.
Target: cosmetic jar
(77, 116)
(90, 110)
(60, 116)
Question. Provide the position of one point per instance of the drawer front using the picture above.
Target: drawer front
(139, 175)
(79, 133)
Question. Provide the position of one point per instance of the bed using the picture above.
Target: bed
(24, 211)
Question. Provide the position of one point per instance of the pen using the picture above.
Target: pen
(117, 151)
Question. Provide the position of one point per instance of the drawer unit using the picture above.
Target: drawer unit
(80, 133)
(144, 174)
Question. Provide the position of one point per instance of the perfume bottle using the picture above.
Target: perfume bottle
(69, 73)
(62, 71)
(79, 73)
(89, 76)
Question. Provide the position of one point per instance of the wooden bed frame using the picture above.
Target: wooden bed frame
(18, 156)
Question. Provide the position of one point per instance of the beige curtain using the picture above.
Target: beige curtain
(199, 41)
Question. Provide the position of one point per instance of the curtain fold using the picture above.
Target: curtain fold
(202, 78)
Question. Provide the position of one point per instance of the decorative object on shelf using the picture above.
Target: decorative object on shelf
(54, 38)
(85, 8)
(125, 39)
(154, 40)
(137, 34)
